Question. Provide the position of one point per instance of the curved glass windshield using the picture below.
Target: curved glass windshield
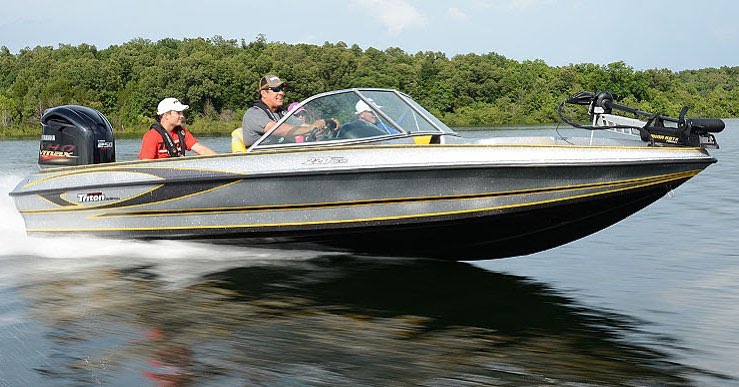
(403, 114)
(352, 114)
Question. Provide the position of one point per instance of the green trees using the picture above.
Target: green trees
(218, 79)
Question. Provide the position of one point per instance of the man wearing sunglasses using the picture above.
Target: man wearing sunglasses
(265, 112)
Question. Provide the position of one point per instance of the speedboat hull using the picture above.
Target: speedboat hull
(447, 201)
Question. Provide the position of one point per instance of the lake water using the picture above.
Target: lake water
(653, 300)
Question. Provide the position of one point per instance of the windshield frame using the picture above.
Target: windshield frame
(403, 133)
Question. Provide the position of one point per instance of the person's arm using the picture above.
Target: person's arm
(202, 149)
(296, 130)
(268, 126)
(287, 130)
(194, 145)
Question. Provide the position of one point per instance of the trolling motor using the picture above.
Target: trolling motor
(694, 132)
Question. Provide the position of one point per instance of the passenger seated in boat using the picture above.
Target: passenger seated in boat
(301, 115)
(167, 137)
(365, 113)
(264, 113)
(300, 112)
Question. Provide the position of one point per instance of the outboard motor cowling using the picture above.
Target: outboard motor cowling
(75, 135)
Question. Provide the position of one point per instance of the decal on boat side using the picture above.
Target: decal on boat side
(326, 160)
(94, 197)
(666, 138)
(50, 151)
(51, 154)
(102, 144)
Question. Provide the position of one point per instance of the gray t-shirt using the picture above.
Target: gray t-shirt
(254, 121)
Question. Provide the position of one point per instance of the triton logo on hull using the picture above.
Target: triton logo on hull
(93, 197)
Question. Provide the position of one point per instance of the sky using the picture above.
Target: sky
(645, 34)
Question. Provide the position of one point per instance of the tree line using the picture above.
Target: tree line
(218, 78)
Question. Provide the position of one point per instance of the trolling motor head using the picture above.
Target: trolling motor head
(581, 98)
(592, 100)
(603, 100)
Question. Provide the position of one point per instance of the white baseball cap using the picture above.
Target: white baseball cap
(362, 106)
(169, 104)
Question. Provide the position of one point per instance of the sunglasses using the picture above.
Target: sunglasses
(277, 89)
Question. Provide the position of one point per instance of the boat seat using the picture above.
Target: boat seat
(237, 141)
(423, 140)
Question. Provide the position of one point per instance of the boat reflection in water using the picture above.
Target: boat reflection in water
(333, 320)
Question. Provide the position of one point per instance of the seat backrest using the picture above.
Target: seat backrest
(237, 141)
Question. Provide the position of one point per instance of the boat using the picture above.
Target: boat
(404, 186)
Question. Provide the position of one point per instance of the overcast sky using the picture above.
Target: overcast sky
(676, 34)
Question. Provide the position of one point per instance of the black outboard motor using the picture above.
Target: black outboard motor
(75, 135)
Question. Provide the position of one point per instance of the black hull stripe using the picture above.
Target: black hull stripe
(159, 194)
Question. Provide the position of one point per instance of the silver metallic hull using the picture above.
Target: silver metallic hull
(457, 202)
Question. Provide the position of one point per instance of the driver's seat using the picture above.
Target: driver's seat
(237, 141)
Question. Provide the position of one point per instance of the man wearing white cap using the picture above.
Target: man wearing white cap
(364, 112)
(166, 137)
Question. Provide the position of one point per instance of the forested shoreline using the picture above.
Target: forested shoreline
(218, 79)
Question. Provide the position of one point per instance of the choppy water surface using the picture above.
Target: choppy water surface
(653, 300)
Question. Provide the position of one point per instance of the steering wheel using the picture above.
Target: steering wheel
(327, 131)
(313, 136)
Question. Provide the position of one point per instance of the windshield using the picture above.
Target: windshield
(400, 109)
(351, 115)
